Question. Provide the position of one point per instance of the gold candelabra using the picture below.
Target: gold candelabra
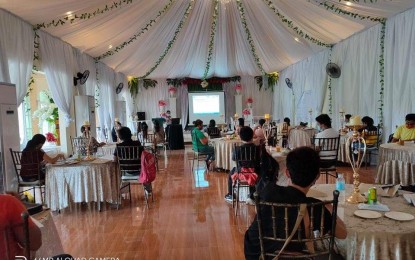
(358, 144)
(266, 128)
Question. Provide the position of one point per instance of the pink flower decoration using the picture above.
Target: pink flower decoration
(162, 103)
(249, 100)
(50, 137)
(246, 112)
(172, 89)
(238, 87)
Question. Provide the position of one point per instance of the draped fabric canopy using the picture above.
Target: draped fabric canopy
(276, 44)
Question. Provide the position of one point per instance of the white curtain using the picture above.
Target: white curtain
(147, 99)
(308, 78)
(262, 98)
(58, 63)
(399, 70)
(106, 108)
(183, 99)
(16, 52)
(357, 89)
(85, 62)
(229, 89)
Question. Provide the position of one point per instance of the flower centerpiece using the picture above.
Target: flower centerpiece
(249, 102)
(172, 91)
(162, 104)
(48, 111)
(238, 89)
(50, 137)
(246, 112)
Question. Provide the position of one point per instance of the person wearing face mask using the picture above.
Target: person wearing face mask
(405, 132)
(324, 127)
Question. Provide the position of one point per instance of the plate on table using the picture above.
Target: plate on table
(59, 163)
(367, 214)
(401, 216)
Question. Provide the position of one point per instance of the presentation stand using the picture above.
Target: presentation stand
(175, 137)
(173, 107)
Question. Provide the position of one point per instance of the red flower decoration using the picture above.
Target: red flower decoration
(250, 100)
(50, 137)
(162, 103)
(172, 89)
(246, 112)
(238, 87)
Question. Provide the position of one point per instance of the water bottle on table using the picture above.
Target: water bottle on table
(341, 187)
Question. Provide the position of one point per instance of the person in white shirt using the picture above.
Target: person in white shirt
(324, 126)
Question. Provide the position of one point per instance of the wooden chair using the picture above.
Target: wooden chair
(276, 223)
(32, 163)
(373, 140)
(245, 156)
(129, 163)
(328, 149)
(213, 132)
(79, 145)
(197, 154)
(283, 135)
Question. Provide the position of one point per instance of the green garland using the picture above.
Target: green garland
(272, 80)
(290, 24)
(97, 87)
(175, 82)
(135, 36)
(84, 16)
(382, 72)
(249, 37)
(212, 37)
(171, 42)
(35, 58)
(338, 10)
(133, 85)
(329, 87)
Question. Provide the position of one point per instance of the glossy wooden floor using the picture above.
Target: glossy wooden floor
(188, 220)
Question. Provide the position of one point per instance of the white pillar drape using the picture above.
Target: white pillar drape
(58, 63)
(399, 70)
(184, 104)
(147, 99)
(106, 109)
(16, 52)
(85, 62)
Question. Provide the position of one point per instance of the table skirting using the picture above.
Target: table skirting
(83, 182)
(300, 137)
(223, 152)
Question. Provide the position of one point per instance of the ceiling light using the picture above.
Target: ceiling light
(69, 14)
(349, 4)
(296, 39)
(110, 46)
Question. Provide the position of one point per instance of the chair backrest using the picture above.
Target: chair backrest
(373, 138)
(148, 140)
(30, 162)
(79, 144)
(276, 222)
(129, 158)
(328, 148)
(246, 156)
(213, 132)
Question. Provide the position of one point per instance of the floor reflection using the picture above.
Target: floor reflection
(200, 178)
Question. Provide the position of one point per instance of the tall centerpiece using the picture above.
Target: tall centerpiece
(238, 89)
(162, 105)
(249, 102)
(355, 151)
(266, 128)
(246, 112)
(172, 91)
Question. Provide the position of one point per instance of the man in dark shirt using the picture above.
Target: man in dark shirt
(303, 170)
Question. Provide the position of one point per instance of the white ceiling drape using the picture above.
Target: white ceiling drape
(106, 98)
(85, 62)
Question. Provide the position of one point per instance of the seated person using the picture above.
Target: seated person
(125, 135)
(34, 159)
(259, 132)
(116, 127)
(246, 134)
(369, 131)
(369, 124)
(144, 130)
(11, 228)
(241, 123)
(93, 143)
(324, 126)
(201, 142)
(212, 130)
(303, 170)
(159, 135)
(405, 132)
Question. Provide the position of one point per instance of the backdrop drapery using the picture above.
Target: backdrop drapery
(16, 52)
(58, 63)
(399, 70)
(106, 108)
(85, 62)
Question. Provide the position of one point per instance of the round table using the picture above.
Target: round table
(300, 137)
(381, 238)
(281, 158)
(223, 152)
(396, 164)
(107, 149)
(342, 156)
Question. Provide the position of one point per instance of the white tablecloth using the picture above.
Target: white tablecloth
(396, 164)
(97, 181)
(107, 149)
(381, 238)
(300, 137)
(342, 156)
(223, 152)
(281, 158)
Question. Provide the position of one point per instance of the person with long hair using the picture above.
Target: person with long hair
(93, 143)
(159, 134)
(34, 158)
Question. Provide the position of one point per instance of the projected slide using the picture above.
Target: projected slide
(208, 104)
